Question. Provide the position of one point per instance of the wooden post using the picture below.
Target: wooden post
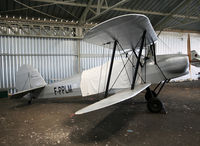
(189, 51)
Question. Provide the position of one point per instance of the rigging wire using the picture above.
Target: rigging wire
(118, 74)
(124, 66)
(123, 69)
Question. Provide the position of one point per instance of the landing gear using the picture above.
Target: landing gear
(148, 95)
(30, 101)
(154, 105)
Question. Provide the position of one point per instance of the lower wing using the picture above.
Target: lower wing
(116, 98)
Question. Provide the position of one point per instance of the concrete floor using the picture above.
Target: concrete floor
(51, 122)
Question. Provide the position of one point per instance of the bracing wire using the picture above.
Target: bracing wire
(125, 68)
(119, 74)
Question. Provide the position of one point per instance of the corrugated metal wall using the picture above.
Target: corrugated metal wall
(93, 55)
(176, 43)
(56, 59)
(172, 43)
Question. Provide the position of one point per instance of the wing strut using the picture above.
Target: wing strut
(138, 61)
(110, 70)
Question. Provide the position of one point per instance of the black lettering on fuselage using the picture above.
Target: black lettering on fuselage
(69, 88)
(59, 90)
(62, 89)
(55, 91)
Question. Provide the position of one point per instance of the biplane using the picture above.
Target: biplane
(138, 67)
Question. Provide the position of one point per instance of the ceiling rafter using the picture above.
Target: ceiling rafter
(99, 5)
(76, 4)
(20, 9)
(85, 12)
(36, 10)
(160, 23)
(107, 10)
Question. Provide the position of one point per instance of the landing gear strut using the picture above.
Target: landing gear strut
(30, 101)
(154, 105)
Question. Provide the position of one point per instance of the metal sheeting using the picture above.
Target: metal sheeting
(55, 59)
(176, 43)
(93, 55)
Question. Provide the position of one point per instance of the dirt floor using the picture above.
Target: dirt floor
(51, 122)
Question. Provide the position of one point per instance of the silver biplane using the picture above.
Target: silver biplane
(133, 36)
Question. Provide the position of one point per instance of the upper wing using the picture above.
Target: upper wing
(20, 94)
(126, 29)
(116, 98)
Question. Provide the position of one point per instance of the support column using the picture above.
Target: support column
(78, 56)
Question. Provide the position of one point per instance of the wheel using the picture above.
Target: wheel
(154, 105)
(148, 96)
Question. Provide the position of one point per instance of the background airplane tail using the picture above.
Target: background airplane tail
(28, 78)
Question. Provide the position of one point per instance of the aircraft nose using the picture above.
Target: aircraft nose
(177, 64)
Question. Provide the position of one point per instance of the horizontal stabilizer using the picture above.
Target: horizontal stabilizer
(20, 94)
(116, 98)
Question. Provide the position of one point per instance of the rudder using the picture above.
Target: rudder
(28, 77)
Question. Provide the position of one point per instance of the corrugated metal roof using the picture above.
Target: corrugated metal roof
(156, 10)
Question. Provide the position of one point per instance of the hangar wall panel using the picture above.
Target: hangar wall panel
(93, 55)
(176, 43)
(172, 43)
(54, 58)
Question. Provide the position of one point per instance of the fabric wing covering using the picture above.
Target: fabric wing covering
(93, 81)
(126, 29)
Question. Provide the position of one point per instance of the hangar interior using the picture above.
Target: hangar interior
(47, 34)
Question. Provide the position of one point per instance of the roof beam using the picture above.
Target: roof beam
(175, 10)
(20, 9)
(85, 12)
(42, 28)
(118, 9)
(179, 25)
(36, 10)
(100, 3)
(107, 10)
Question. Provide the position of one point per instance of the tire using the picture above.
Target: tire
(154, 105)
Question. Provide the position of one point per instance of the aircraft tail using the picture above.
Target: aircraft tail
(28, 78)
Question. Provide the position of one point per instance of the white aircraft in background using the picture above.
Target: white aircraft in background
(195, 58)
(133, 36)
